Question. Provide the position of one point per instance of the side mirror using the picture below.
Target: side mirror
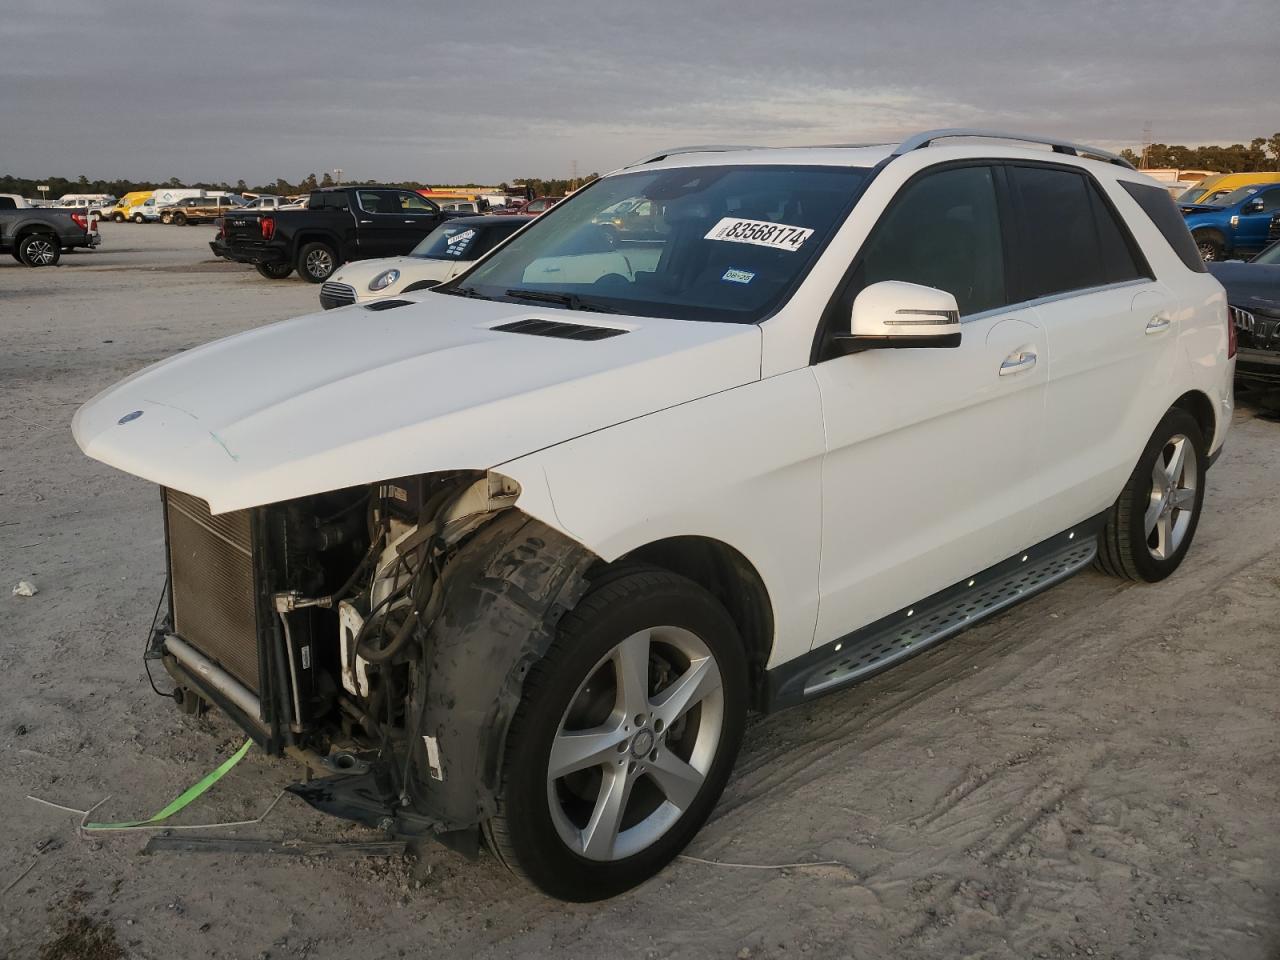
(1253, 206)
(896, 314)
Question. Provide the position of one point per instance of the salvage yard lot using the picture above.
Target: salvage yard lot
(1092, 773)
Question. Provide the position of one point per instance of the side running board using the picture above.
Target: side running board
(906, 632)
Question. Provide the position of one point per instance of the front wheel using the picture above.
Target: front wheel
(1210, 246)
(1150, 527)
(624, 738)
(180, 219)
(166, 218)
(118, 217)
(39, 250)
(316, 262)
(274, 271)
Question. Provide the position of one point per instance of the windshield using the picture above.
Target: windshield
(721, 243)
(1239, 195)
(1270, 255)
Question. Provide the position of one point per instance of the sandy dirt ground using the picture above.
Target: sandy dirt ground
(1093, 774)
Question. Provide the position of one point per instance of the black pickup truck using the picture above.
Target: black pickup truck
(36, 236)
(338, 224)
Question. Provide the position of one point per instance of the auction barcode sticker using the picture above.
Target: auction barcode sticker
(779, 236)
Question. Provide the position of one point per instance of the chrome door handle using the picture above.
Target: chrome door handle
(365, 223)
(1159, 323)
(1017, 362)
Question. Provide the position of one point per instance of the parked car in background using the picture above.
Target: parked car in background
(1220, 184)
(36, 236)
(532, 544)
(91, 202)
(123, 208)
(444, 253)
(191, 210)
(462, 206)
(1253, 293)
(533, 207)
(265, 202)
(1235, 226)
(340, 224)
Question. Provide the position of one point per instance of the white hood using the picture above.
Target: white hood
(358, 273)
(354, 396)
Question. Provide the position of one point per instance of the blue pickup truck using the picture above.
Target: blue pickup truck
(1235, 226)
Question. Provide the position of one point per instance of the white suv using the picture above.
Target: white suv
(516, 557)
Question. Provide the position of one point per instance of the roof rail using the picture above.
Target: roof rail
(1059, 146)
(674, 151)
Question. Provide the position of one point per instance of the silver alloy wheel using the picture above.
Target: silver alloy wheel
(1173, 497)
(40, 252)
(1208, 250)
(319, 263)
(666, 739)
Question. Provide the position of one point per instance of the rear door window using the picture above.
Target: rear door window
(1067, 237)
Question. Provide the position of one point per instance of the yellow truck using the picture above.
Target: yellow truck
(123, 210)
(1220, 184)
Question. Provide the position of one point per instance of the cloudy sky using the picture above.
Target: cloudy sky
(486, 90)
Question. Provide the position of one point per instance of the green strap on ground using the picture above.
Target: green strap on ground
(184, 798)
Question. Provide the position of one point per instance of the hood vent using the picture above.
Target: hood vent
(387, 304)
(562, 331)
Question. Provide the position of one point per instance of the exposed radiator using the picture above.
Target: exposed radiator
(211, 571)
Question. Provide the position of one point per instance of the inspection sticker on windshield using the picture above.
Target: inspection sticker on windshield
(779, 236)
(738, 276)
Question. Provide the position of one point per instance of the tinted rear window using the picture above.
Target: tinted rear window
(1159, 206)
(1068, 237)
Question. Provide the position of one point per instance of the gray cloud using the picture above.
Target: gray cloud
(491, 90)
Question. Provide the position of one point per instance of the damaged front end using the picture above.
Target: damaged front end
(378, 634)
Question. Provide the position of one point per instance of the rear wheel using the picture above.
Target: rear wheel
(39, 250)
(316, 262)
(274, 271)
(179, 218)
(139, 218)
(1151, 525)
(118, 217)
(624, 738)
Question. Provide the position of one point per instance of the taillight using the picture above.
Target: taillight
(268, 227)
(81, 220)
(222, 228)
(1231, 333)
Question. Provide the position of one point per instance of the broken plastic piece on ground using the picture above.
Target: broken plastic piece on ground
(25, 588)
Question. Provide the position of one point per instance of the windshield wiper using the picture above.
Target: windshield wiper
(570, 301)
(462, 292)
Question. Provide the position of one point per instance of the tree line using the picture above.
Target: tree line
(1262, 154)
(58, 186)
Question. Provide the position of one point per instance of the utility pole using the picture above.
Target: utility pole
(573, 182)
(337, 176)
(1145, 160)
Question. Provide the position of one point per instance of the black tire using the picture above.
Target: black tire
(1210, 245)
(522, 833)
(17, 256)
(139, 218)
(1124, 547)
(118, 217)
(274, 271)
(166, 217)
(316, 262)
(178, 219)
(39, 250)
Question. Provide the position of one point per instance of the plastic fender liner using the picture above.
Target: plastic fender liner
(505, 591)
